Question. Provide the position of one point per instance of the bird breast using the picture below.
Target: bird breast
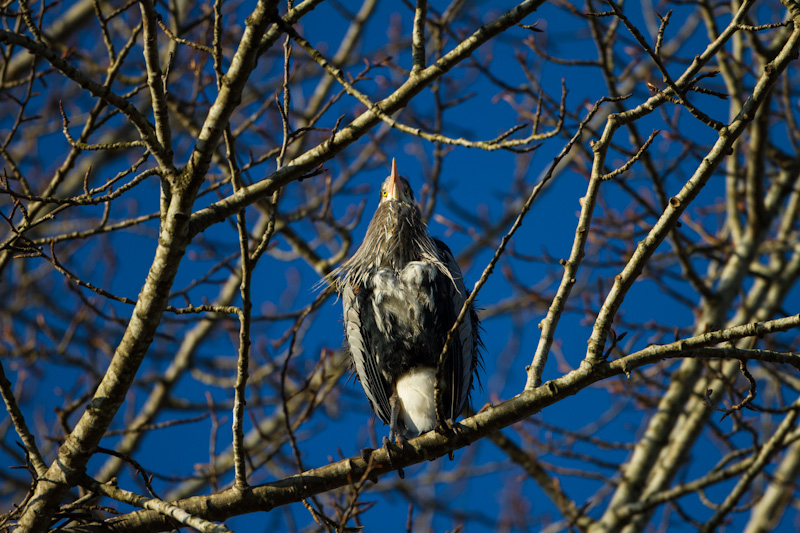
(403, 302)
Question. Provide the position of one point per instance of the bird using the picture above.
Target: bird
(401, 292)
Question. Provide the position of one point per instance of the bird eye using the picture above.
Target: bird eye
(383, 192)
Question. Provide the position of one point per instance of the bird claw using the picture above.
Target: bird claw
(445, 428)
(448, 430)
(402, 441)
(388, 445)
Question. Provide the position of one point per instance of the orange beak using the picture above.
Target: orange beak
(394, 186)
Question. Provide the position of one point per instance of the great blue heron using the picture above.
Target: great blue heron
(402, 291)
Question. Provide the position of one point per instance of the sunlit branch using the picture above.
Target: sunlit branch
(156, 80)
(499, 143)
(306, 162)
(679, 202)
(231, 502)
(167, 509)
(28, 440)
(759, 463)
(705, 119)
(418, 37)
(571, 265)
(100, 91)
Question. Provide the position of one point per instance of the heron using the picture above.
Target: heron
(401, 293)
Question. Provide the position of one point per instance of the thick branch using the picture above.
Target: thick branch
(344, 137)
(223, 505)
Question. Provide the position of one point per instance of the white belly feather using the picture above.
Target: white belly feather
(415, 389)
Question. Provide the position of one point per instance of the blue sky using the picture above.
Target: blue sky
(476, 187)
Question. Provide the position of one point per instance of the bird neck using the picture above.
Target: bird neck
(396, 236)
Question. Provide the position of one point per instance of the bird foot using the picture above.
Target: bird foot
(401, 441)
(448, 430)
(445, 428)
(388, 445)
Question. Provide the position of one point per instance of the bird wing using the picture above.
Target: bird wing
(365, 362)
(463, 351)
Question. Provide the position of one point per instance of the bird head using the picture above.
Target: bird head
(396, 188)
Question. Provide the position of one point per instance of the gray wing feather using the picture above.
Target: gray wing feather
(464, 359)
(365, 362)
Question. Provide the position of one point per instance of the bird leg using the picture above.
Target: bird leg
(395, 434)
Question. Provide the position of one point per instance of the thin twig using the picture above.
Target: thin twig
(624, 168)
(28, 440)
